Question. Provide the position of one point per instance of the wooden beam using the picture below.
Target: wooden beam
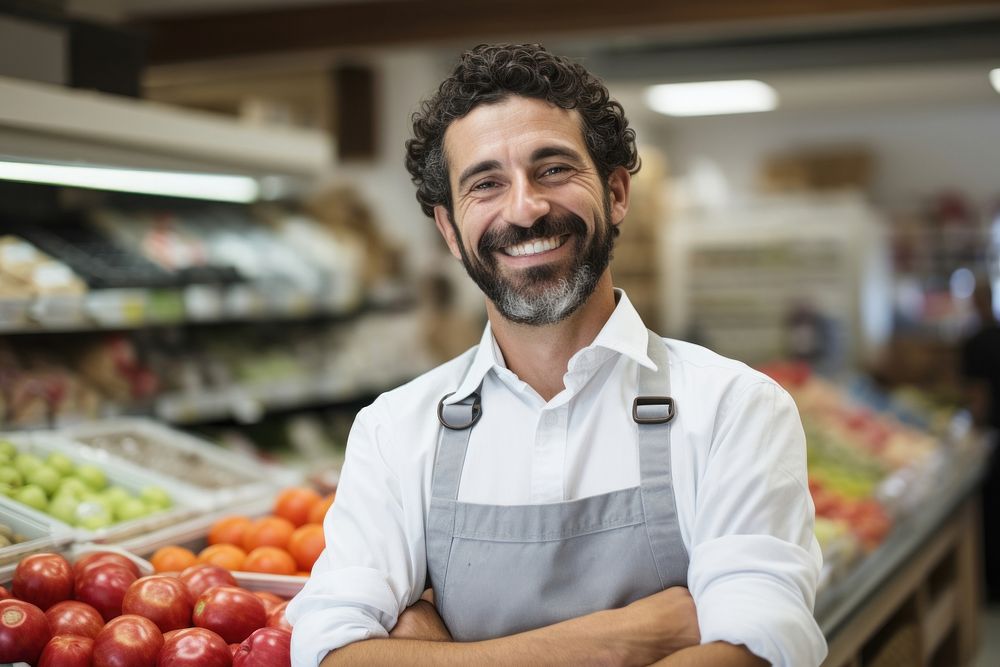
(393, 22)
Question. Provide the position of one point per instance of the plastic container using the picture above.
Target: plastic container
(43, 535)
(131, 477)
(212, 477)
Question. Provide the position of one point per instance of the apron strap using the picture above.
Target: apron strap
(654, 411)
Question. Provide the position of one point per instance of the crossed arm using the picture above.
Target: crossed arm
(661, 629)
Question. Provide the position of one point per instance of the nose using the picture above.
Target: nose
(525, 203)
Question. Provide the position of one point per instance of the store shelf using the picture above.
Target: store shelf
(41, 121)
(116, 310)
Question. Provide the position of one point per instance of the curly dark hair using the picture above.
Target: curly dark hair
(489, 73)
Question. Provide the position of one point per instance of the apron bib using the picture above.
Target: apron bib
(497, 570)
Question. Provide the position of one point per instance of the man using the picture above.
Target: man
(559, 489)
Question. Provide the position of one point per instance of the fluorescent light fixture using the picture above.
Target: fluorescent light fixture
(712, 98)
(213, 187)
(995, 79)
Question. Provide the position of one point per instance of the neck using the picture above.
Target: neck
(539, 355)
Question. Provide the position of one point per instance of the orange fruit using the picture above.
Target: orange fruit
(269, 531)
(228, 530)
(270, 560)
(228, 556)
(318, 511)
(172, 559)
(306, 544)
(294, 504)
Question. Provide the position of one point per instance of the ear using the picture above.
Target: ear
(447, 229)
(619, 186)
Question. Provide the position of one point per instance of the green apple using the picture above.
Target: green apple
(10, 475)
(32, 495)
(25, 463)
(46, 477)
(155, 498)
(92, 476)
(130, 508)
(6, 489)
(73, 486)
(115, 495)
(93, 515)
(8, 448)
(63, 507)
(62, 463)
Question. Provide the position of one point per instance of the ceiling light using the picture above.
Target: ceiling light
(213, 187)
(712, 98)
(995, 79)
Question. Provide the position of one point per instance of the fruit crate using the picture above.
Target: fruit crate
(130, 477)
(212, 477)
(40, 534)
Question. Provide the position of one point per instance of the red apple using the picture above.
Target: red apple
(163, 600)
(194, 647)
(128, 641)
(67, 651)
(43, 580)
(230, 611)
(199, 578)
(267, 647)
(4, 593)
(276, 619)
(24, 631)
(103, 586)
(234, 647)
(72, 617)
(98, 557)
(269, 599)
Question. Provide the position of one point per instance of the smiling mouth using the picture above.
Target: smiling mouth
(536, 246)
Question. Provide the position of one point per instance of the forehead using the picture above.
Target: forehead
(509, 131)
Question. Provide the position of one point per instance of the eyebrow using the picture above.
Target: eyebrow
(478, 168)
(555, 151)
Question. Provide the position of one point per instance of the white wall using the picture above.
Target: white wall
(918, 150)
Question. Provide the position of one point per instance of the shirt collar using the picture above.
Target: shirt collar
(624, 333)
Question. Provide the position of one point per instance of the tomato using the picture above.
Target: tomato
(228, 556)
(294, 504)
(270, 560)
(319, 510)
(269, 531)
(306, 544)
(229, 530)
(172, 559)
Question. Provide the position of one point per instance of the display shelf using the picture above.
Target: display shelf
(124, 309)
(917, 594)
(50, 123)
(248, 404)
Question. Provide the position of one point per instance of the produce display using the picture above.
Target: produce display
(9, 537)
(867, 466)
(286, 542)
(76, 494)
(102, 610)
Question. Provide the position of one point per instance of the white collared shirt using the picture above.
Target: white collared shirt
(739, 474)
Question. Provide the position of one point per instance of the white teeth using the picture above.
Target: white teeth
(534, 247)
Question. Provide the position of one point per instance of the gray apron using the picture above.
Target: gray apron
(497, 570)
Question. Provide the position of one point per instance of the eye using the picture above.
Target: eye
(555, 170)
(482, 186)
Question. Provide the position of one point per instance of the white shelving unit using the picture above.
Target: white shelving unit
(733, 278)
(44, 122)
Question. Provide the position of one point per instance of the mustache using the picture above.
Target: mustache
(545, 227)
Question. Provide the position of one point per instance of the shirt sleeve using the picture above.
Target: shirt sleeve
(755, 561)
(374, 563)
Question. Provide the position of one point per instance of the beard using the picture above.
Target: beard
(540, 295)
